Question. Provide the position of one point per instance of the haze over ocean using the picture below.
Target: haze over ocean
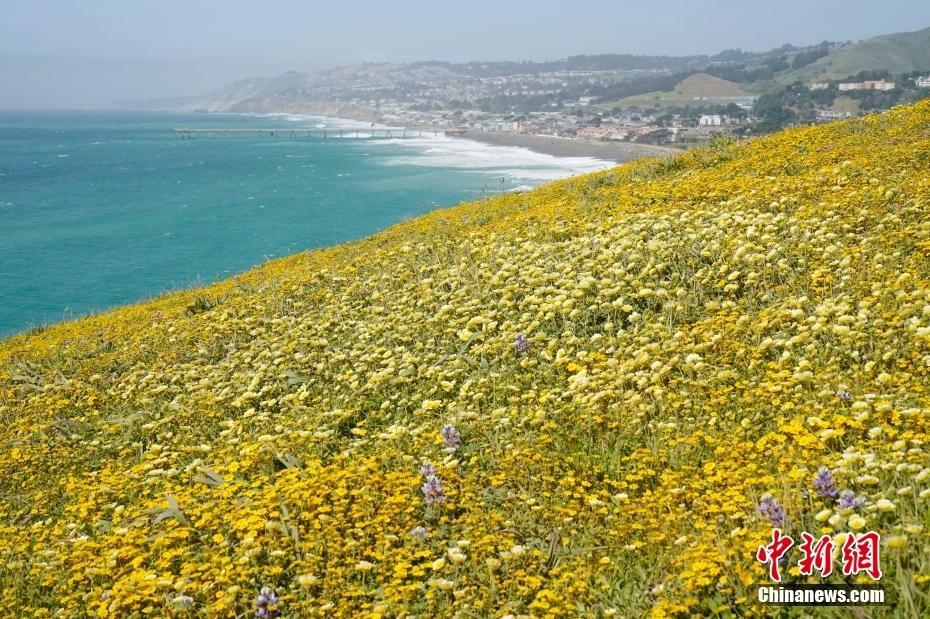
(99, 209)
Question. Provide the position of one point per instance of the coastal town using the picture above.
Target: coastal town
(668, 101)
(690, 123)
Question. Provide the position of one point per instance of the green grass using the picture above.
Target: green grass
(687, 92)
(902, 52)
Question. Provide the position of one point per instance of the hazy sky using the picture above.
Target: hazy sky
(89, 53)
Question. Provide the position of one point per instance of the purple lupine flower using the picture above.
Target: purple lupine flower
(418, 532)
(824, 483)
(266, 597)
(451, 437)
(771, 510)
(432, 490)
(522, 344)
(844, 396)
(427, 470)
(849, 500)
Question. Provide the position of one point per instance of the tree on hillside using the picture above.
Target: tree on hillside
(772, 114)
(734, 111)
(802, 59)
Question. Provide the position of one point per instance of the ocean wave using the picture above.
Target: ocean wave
(516, 164)
(511, 162)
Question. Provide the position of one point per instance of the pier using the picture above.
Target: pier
(382, 133)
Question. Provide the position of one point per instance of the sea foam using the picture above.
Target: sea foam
(511, 162)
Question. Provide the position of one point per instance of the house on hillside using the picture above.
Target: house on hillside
(867, 85)
(881, 85)
(819, 86)
(711, 120)
(923, 82)
(826, 115)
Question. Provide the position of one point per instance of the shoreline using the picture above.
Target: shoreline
(613, 151)
(606, 154)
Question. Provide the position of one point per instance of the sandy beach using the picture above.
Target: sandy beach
(565, 147)
(613, 150)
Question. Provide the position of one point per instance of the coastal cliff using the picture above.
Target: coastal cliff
(592, 399)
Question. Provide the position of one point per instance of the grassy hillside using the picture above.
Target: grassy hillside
(897, 53)
(564, 402)
(686, 92)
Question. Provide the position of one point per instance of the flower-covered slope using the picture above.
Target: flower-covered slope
(591, 399)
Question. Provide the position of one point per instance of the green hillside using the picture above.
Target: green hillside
(898, 53)
(697, 89)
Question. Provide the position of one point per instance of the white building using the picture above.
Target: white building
(923, 82)
(710, 120)
(867, 85)
(820, 85)
(832, 115)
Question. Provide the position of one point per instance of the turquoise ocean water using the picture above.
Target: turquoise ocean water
(104, 208)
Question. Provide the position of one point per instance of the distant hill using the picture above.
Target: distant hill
(460, 83)
(898, 53)
(599, 62)
(691, 89)
(505, 87)
(293, 89)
